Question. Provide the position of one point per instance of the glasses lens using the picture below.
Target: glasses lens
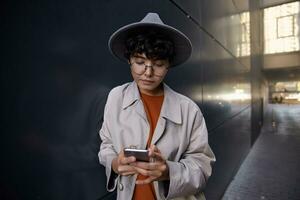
(141, 67)
(158, 70)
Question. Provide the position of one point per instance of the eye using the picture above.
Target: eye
(140, 62)
(159, 64)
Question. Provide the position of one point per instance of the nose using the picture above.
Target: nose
(148, 69)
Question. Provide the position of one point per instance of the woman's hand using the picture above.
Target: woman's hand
(122, 165)
(156, 169)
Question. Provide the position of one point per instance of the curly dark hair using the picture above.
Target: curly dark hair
(154, 45)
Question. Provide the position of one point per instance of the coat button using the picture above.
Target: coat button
(121, 187)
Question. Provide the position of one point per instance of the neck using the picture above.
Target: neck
(156, 92)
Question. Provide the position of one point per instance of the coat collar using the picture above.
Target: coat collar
(171, 108)
(131, 95)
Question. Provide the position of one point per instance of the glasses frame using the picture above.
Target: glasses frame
(143, 66)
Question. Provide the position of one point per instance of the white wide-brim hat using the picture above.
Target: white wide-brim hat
(151, 22)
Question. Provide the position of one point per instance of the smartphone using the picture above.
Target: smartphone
(139, 154)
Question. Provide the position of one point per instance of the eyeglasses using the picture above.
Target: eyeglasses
(139, 66)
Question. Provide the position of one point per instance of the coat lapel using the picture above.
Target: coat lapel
(133, 99)
(170, 111)
(159, 130)
(132, 96)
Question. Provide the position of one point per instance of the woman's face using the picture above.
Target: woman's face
(148, 73)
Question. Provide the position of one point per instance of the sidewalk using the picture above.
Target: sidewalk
(272, 168)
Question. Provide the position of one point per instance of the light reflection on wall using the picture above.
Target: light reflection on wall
(242, 40)
(241, 31)
(233, 31)
(238, 93)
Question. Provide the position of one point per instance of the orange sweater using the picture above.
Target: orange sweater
(152, 105)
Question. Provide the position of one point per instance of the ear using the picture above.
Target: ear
(128, 60)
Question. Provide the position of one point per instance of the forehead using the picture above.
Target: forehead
(143, 56)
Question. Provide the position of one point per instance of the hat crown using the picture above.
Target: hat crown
(151, 22)
(152, 18)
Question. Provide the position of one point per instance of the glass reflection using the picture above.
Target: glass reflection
(241, 33)
(243, 47)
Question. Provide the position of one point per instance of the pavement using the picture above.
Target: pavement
(271, 170)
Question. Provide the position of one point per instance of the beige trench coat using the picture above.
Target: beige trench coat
(180, 134)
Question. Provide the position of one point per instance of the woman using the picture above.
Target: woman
(147, 114)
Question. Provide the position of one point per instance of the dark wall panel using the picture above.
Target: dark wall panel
(56, 72)
(231, 144)
(224, 85)
(55, 75)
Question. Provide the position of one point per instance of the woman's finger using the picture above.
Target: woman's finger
(154, 148)
(127, 160)
(126, 170)
(154, 173)
(148, 165)
(158, 156)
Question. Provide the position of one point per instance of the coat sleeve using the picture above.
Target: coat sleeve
(107, 152)
(190, 174)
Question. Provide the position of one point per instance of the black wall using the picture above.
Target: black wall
(56, 71)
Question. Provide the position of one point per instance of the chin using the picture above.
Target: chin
(147, 88)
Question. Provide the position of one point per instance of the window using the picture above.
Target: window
(281, 28)
(285, 26)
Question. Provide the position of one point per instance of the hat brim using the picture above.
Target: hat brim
(182, 45)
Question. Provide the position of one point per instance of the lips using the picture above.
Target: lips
(147, 82)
